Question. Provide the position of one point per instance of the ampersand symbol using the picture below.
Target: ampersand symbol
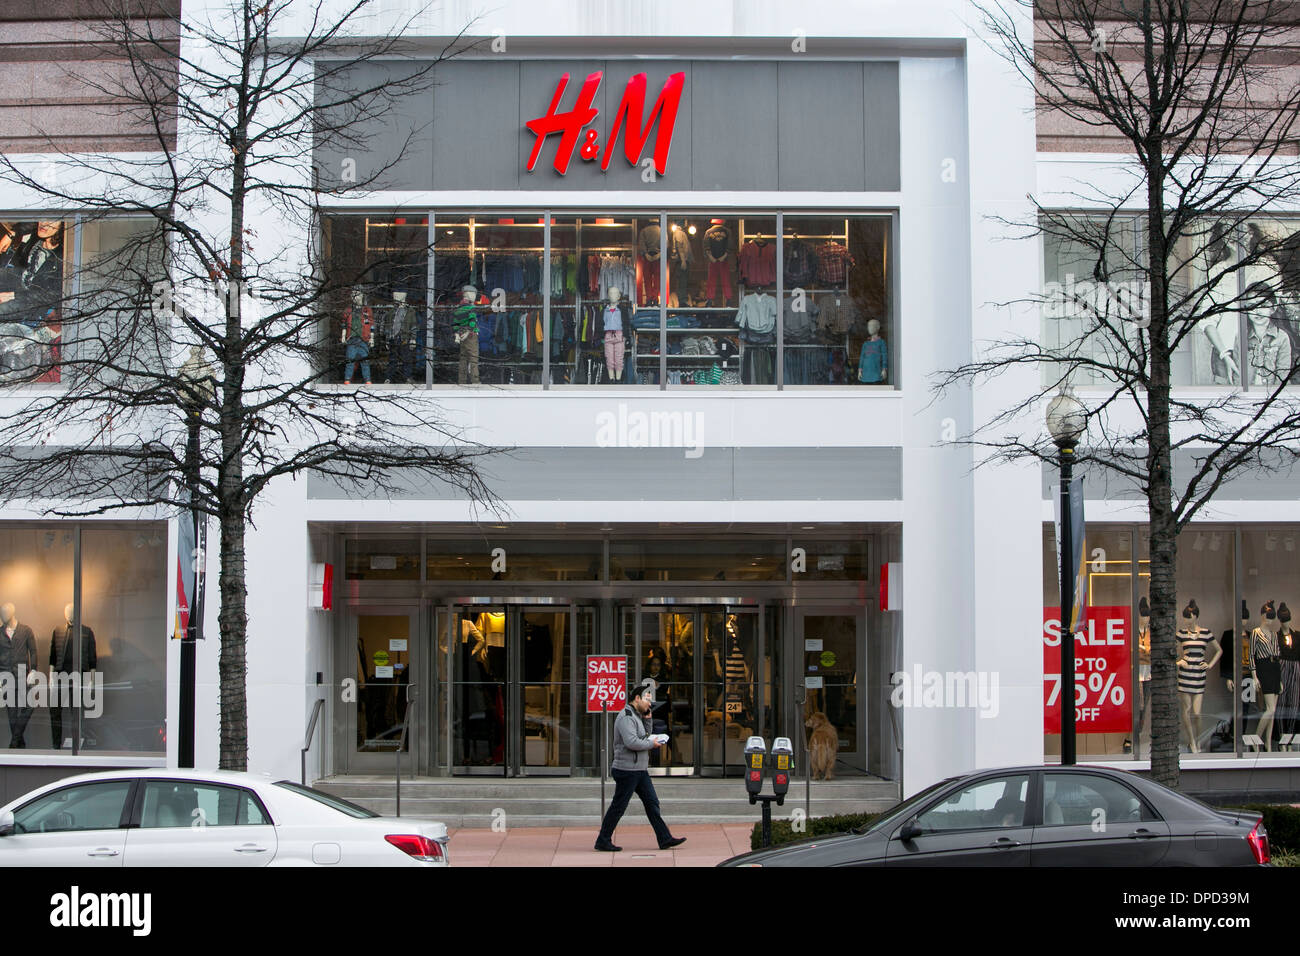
(589, 150)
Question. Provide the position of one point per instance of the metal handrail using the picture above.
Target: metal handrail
(401, 745)
(311, 732)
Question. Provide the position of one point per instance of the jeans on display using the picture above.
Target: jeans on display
(719, 278)
(468, 360)
(18, 718)
(627, 782)
(400, 360)
(357, 351)
(649, 274)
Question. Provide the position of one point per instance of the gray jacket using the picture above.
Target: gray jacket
(632, 744)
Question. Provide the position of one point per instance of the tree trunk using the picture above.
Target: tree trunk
(1162, 525)
(232, 665)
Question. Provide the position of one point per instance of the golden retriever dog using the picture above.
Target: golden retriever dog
(822, 746)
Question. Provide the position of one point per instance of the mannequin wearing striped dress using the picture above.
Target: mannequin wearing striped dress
(1194, 643)
(1266, 670)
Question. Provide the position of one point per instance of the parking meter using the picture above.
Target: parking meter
(755, 764)
(782, 765)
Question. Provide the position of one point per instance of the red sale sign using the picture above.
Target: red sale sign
(606, 682)
(1102, 671)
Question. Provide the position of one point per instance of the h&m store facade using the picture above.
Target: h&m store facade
(642, 488)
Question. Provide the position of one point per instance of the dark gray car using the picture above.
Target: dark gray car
(1038, 816)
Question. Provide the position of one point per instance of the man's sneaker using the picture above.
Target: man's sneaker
(675, 841)
(608, 847)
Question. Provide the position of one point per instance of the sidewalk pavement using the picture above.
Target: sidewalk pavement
(706, 844)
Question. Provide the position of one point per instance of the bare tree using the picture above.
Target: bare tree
(193, 329)
(1175, 262)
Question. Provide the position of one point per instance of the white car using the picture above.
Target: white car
(205, 818)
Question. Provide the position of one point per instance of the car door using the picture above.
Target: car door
(189, 822)
(1093, 819)
(980, 823)
(80, 825)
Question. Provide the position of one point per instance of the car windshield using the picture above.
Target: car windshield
(334, 803)
(902, 810)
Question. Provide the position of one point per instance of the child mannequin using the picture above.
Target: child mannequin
(615, 319)
(873, 361)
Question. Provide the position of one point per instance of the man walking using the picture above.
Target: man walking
(632, 745)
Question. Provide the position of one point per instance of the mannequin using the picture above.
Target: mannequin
(464, 325)
(62, 661)
(616, 317)
(358, 320)
(1289, 653)
(1265, 670)
(680, 257)
(873, 361)
(401, 328)
(1243, 650)
(1144, 666)
(717, 246)
(648, 241)
(1193, 643)
(17, 657)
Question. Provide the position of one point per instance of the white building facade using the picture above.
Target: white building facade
(711, 477)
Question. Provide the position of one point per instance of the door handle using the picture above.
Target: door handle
(103, 851)
(1142, 834)
(1004, 843)
(250, 848)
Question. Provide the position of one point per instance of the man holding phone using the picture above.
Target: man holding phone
(630, 767)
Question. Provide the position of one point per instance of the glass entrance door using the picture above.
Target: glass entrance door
(378, 687)
(712, 669)
(833, 642)
(507, 681)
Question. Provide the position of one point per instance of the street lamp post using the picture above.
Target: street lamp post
(196, 376)
(1066, 420)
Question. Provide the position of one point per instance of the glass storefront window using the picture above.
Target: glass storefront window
(395, 559)
(601, 295)
(377, 274)
(488, 312)
(1079, 311)
(834, 561)
(681, 560)
(703, 341)
(475, 559)
(836, 304)
(102, 688)
(1268, 649)
(34, 280)
(1206, 621)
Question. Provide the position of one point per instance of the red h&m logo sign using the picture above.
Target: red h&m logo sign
(572, 125)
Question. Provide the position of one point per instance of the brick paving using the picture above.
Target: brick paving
(706, 845)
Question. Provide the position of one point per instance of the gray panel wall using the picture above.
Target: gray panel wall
(1279, 480)
(815, 125)
(821, 143)
(389, 138)
(733, 125)
(666, 474)
(481, 106)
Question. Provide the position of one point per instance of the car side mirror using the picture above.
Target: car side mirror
(6, 823)
(911, 830)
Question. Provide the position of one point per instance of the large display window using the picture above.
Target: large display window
(649, 298)
(83, 670)
(1240, 277)
(1237, 644)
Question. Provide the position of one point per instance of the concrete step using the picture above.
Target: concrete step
(529, 802)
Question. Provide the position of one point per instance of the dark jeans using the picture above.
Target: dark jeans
(18, 718)
(626, 782)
